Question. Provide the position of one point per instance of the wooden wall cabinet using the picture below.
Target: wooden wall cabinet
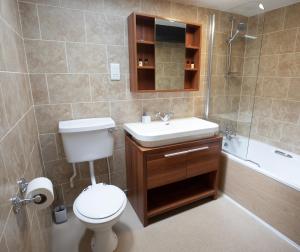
(141, 43)
(164, 178)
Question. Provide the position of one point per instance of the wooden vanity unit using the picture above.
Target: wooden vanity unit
(164, 178)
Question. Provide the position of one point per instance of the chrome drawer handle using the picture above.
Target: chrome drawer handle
(176, 153)
(187, 151)
(198, 149)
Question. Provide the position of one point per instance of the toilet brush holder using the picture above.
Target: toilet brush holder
(60, 214)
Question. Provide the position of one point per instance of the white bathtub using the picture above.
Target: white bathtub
(262, 158)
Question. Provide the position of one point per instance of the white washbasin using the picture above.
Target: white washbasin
(160, 133)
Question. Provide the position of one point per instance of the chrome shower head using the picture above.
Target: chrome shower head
(241, 27)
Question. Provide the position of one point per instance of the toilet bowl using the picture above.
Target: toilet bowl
(99, 207)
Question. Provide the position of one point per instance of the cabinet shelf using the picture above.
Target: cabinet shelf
(191, 69)
(145, 67)
(145, 42)
(172, 196)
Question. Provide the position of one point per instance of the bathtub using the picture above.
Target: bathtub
(271, 161)
(265, 183)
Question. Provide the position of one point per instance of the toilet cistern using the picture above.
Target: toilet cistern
(86, 140)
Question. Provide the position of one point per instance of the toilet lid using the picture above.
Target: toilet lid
(99, 201)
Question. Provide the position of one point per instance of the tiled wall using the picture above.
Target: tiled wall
(69, 45)
(277, 95)
(19, 145)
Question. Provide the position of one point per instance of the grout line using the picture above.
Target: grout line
(66, 54)
(47, 86)
(39, 23)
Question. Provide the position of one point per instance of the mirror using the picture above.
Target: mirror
(169, 54)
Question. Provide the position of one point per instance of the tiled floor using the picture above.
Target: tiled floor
(215, 226)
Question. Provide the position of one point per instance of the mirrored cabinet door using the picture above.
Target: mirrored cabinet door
(164, 54)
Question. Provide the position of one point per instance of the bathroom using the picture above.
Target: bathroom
(64, 60)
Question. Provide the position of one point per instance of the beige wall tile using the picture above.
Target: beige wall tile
(15, 87)
(12, 50)
(249, 85)
(289, 65)
(59, 171)
(7, 190)
(87, 58)
(294, 89)
(279, 42)
(253, 47)
(292, 18)
(36, 162)
(251, 66)
(28, 134)
(183, 12)
(121, 7)
(48, 116)
(89, 110)
(29, 18)
(93, 5)
(105, 29)
(199, 106)
(289, 134)
(268, 65)
(274, 20)
(61, 24)
(18, 232)
(182, 107)
(66, 88)
(45, 56)
(4, 126)
(13, 157)
(9, 11)
(262, 107)
(298, 41)
(39, 88)
(156, 7)
(100, 167)
(70, 194)
(3, 244)
(48, 145)
(288, 111)
(269, 128)
(275, 87)
(105, 89)
(126, 111)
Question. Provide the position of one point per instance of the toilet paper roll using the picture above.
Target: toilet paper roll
(43, 187)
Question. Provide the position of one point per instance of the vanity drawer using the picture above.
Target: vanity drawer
(166, 168)
(203, 159)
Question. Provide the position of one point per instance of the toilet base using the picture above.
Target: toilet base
(104, 241)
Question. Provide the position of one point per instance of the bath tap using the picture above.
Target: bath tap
(164, 116)
(228, 133)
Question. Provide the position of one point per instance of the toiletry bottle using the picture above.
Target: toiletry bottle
(146, 118)
(192, 65)
(187, 63)
(140, 63)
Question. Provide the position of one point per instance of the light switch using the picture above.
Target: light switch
(114, 71)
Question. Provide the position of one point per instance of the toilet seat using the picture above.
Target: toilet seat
(99, 201)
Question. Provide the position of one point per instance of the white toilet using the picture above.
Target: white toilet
(99, 206)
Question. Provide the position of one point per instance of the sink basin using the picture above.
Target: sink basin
(160, 133)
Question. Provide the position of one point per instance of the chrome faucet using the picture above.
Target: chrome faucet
(228, 133)
(164, 116)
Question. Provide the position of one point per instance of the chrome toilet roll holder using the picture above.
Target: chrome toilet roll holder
(18, 202)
